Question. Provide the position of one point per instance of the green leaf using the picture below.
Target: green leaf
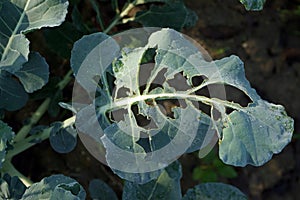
(166, 186)
(12, 93)
(172, 14)
(205, 174)
(34, 74)
(213, 191)
(18, 17)
(101, 191)
(55, 187)
(63, 139)
(6, 136)
(253, 4)
(11, 187)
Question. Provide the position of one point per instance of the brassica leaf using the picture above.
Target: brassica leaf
(55, 187)
(123, 97)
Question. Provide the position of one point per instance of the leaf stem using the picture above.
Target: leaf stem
(118, 17)
(29, 141)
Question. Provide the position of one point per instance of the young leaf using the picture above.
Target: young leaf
(253, 4)
(63, 140)
(6, 136)
(55, 187)
(166, 186)
(218, 191)
(11, 187)
(101, 191)
(34, 74)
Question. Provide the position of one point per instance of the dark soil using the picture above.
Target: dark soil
(269, 44)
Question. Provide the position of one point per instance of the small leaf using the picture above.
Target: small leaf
(254, 5)
(34, 74)
(101, 191)
(219, 191)
(63, 140)
(55, 187)
(166, 186)
(11, 187)
(173, 14)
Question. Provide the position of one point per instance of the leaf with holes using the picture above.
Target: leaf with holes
(148, 104)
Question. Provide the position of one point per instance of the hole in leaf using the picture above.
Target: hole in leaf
(198, 80)
(141, 120)
(123, 92)
(236, 95)
(144, 75)
(179, 82)
(116, 115)
(166, 106)
(149, 56)
(216, 114)
(229, 110)
(201, 106)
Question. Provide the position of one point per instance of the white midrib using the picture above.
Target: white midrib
(131, 100)
(15, 31)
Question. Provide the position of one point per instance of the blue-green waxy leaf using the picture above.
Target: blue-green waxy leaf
(172, 14)
(100, 190)
(34, 74)
(212, 191)
(253, 4)
(63, 139)
(11, 187)
(18, 17)
(166, 186)
(12, 93)
(6, 135)
(143, 106)
(55, 187)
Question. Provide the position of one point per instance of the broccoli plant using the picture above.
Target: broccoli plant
(137, 101)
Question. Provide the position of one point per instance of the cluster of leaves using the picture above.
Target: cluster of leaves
(248, 135)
